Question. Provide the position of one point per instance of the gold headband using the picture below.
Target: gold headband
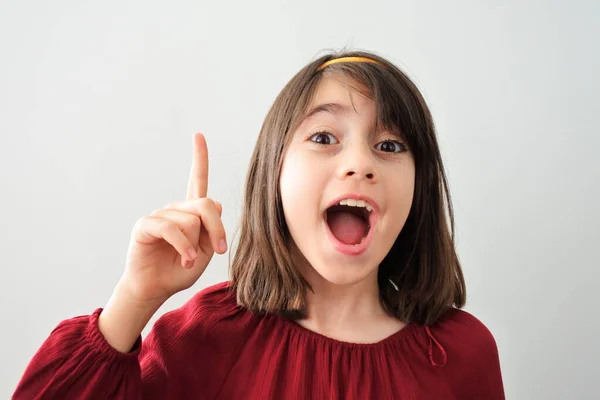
(347, 59)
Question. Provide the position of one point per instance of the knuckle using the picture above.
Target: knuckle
(192, 222)
(140, 224)
(195, 222)
(205, 202)
(137, 225)
(167, 226)
(172, 205)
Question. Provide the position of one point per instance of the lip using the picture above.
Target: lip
(353, 249)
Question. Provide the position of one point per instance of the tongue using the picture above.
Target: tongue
(347, 227)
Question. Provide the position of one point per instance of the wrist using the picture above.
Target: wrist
(124, 318)
(122, 294)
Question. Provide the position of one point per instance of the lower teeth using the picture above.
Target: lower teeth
(361, 240)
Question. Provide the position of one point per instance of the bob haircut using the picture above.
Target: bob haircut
(422, 263)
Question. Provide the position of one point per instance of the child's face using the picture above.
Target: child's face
(335, 154)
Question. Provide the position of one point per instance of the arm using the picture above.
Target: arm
(473, 370)
(491, 382)
(189, 351)
(89, 355)
(75, 361)
(169, 250)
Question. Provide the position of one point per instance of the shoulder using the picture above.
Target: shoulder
(212, 312)
(460, 327)
(473, 364)
(218, 300)
(196, 345)
(466, 340)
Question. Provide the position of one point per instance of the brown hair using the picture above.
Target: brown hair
(422, 262)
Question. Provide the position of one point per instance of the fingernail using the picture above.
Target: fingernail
(222, 246)
(189, 264)
(192, 253)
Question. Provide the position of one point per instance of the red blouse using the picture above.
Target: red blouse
(211, 348)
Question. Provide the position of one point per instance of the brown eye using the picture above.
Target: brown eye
(390, 146)
(323, 138)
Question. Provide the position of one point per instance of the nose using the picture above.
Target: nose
(357, 163)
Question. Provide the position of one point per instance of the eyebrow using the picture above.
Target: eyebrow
(331, 108)
(336, 108)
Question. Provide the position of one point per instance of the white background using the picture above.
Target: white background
(99, 101)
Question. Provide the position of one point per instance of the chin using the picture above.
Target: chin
(342, 273)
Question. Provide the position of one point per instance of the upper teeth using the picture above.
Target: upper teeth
(356, 203)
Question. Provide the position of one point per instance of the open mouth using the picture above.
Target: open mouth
(349, 221)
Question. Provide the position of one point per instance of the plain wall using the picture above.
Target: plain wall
(99, 101)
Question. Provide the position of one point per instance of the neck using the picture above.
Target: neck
(351, 312)
(330, 304)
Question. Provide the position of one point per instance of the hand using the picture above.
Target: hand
(170, 248)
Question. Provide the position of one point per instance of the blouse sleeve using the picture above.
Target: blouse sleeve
(76, 361)
(473, 359)
(187, 351)
(487, 370)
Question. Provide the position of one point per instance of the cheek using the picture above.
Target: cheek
(290, 182)
(401, 195)
(300, 185)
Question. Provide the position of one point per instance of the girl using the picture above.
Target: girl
(345, 283)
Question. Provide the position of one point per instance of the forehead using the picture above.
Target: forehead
(337, 95)
(340, 90)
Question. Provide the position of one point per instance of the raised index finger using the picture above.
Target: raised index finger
(198, 183)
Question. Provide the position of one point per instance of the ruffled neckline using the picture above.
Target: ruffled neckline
(406, 331)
